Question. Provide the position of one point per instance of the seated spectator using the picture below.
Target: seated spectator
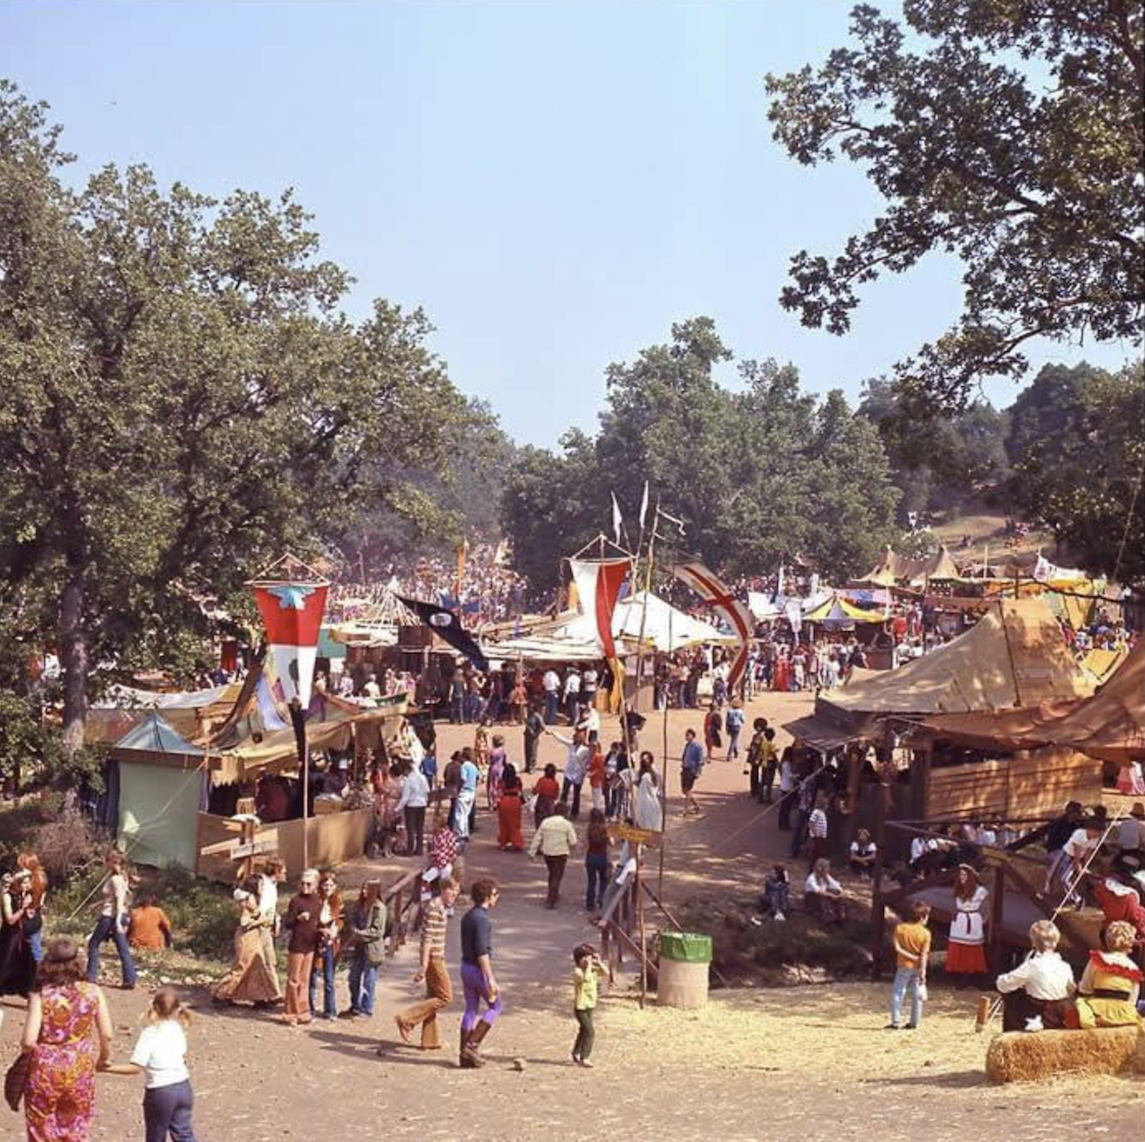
(823, 894)
(149, 929)
(863, 854)
(1111, 983)
(777, 893)
(1117, 900)
(1036, 993)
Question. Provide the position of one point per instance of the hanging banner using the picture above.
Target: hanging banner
(447, 624)
(712, 590)
(292, 614)
(598, 583)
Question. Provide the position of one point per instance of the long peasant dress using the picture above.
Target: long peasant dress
(59, 1100)
(965, 950)
(1110, 987)
(250, 979)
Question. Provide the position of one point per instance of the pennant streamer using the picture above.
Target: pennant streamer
(292, 614)
(714, 591)
(598, 583)
(448, 625)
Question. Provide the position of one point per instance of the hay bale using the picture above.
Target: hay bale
(1018, 1056)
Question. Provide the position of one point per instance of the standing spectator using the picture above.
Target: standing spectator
(787, 787)
(477, 979)
(457, 697)
(248, 981)
(554, 840)
(465, 805)
(63, 1011)
(817, 829)
(965, 951)
(733, 723)
(912, 950)
(588, 686)
(412, 804)
(572, 695)
(114, 918)
(546, 792)
(647, 810)
(551, 685)
(518, 698)
(432, 969)
(368, 932)
(328, 948)
(509, 834)
(37, 896)
(769, 761)
(691, 766)
(804, 804)
(273, 874)
(596, 772)
(534, 728)
(595, 860)
(451, 782)
(712, 724)
(302, 924)
(586, 976)
(17, 967)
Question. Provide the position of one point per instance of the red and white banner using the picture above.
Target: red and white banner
(292, 614)
(712, 590)
(598, 583)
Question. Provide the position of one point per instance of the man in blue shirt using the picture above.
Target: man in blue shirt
(465, 807)
(692, 763)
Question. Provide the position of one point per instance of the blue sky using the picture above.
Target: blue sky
(555, 183)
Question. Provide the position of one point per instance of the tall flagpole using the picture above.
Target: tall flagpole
(664, 774)
(644, 608)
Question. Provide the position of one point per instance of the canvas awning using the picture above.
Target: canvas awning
(837, 611)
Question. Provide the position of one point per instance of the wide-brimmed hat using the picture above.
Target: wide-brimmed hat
(1138, 809)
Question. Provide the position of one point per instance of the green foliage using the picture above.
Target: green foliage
(938, 462)
(757, 474)
(180, 400)
(1078, 454)
(1006, 132)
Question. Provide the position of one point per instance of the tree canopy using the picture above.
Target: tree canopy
(180, 399)
(1007, 132)
(758, 474)
(1076, 445)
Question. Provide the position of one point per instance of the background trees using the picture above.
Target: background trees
(1008, 133)
(758, 473)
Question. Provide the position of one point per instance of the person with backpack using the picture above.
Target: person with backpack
(733, 722)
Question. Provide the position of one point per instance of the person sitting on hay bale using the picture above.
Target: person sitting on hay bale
(1111, 983)
(1036, 994)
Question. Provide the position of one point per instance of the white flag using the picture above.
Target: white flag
(644, 505)
(616, 520)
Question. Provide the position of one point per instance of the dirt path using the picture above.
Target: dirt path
(806, 1063)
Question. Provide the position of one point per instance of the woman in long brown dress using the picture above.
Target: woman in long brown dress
(249, 981)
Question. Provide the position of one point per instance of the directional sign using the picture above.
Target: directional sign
(630, 833)
(237, 849)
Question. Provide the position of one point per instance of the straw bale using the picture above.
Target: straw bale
(1018, 1056)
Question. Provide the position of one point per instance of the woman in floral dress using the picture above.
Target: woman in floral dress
(63, 1011)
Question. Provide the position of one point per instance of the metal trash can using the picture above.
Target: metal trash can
(685, 959)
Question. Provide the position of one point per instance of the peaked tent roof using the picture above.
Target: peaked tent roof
(666, 627)
(1014, 657)
(893, 568)
(837, 611)
(154, 734)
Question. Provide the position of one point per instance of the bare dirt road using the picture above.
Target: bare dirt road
(809, 1063)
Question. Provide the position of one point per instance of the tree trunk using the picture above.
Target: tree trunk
(73, 661)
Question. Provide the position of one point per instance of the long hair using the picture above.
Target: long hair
(967, 890)
(166, 1004)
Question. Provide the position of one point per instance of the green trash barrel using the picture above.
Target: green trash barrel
(685, 958)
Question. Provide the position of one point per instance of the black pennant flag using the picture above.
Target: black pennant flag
(448, 625)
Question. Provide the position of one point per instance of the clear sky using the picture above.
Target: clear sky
(555, 183)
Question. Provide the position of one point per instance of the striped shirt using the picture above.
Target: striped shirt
(433, 929)
(817, 824)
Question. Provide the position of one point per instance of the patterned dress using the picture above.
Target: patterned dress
(59, 1101)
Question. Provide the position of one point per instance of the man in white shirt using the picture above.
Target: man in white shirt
(273, 874)
(551, 684)
(412, 803)
(572, 695)
(576, 766)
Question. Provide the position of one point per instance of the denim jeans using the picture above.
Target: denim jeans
(733, 744)
(324, 965)
(552, 701)
(363, 979)
(904, 978)
(596, 871)
(167, 1113)
(572, 787)
(105, 928)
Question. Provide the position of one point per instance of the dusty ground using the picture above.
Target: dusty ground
(809, 1063)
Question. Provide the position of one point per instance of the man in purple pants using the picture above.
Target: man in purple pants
(477, 977)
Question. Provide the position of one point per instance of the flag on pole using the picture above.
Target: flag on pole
(644, 506)
(661, 514)
(617, 522)
(598, 584)
(448, 625)
(292, 614)
(715, 592)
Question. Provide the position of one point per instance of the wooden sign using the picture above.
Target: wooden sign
(630, 833)
(238, 849)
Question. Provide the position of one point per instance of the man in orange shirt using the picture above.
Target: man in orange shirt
(150, 929)
(912, 948)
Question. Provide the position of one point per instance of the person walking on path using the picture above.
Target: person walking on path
(114, 917)
(63, 1011)
(595, 860)
(586, 977)
(509, 835)
(432, 969)
(411, 805)
(302, 924)
(273, 874)
(534, 728)
(691, 766)
(248, 981)
(555, 840)
(734, 721)
(912, 949)
(546, 793)
(576, 767)
(477, 978)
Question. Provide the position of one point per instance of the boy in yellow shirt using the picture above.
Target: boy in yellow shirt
(586, 976)
(912, 949)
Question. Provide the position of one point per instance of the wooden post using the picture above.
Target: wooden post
(879, 914)
(994, 942)
(643, 933)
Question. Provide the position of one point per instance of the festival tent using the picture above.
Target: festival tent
(893, 568)
(837, 611)
(763, 607)
(189, 712)
(1014, 657)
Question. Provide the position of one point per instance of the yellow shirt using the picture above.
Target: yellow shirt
(912, 942)
(585, 987)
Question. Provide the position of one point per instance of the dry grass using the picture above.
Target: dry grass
(1018, 1057)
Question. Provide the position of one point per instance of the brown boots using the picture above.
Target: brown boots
(470, 1056)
